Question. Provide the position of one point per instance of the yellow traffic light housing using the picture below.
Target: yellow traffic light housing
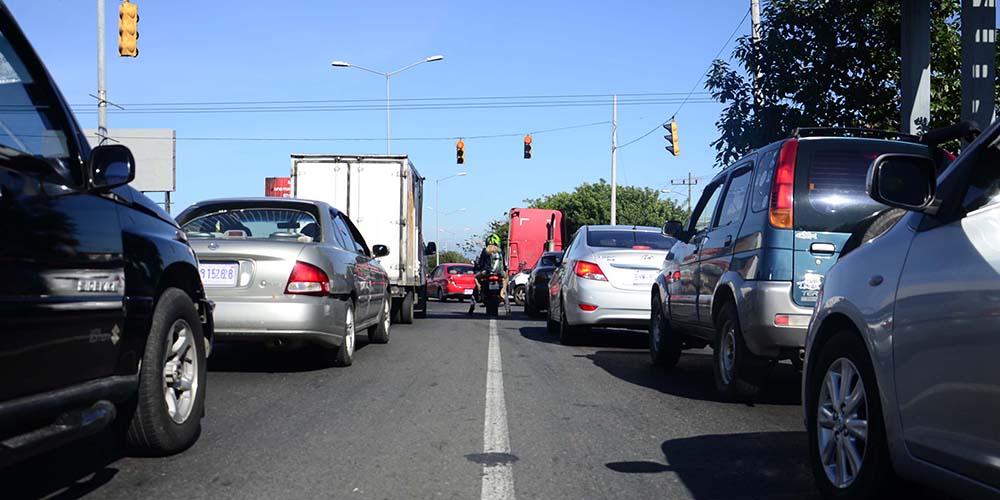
(460, 151)
(527, 147)
(128, 29)
(672, 145)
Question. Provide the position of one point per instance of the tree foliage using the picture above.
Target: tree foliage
(829, 64)
(451, 256)
(591, 204)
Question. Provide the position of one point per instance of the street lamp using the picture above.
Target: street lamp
(437, 209)
(344, 64)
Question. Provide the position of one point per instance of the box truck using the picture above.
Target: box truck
(383, 195)
(532, 232)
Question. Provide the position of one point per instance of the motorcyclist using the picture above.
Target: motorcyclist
(490, 261)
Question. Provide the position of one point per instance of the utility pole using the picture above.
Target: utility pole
(690, 181)
(614, 160)
(755, 34)
(102, 92)
(915, 74)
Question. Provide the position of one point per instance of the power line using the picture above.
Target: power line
(695, 86)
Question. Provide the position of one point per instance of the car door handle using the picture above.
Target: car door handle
(823, 248)
(729, 241)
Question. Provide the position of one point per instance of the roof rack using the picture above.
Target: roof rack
(851, 132)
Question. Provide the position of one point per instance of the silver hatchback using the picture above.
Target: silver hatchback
(900, 372)
(605, 279)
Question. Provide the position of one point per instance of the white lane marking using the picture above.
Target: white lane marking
(498, 479)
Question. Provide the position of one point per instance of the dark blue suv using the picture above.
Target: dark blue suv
(749, 264)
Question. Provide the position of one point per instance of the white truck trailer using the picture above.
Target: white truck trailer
(383, 196)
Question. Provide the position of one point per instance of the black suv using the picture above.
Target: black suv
(103, 319)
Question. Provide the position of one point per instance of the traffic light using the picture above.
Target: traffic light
(128, 29)
(672, 145)
(527, 147)
(460, 151)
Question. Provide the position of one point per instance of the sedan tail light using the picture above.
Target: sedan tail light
(589, 271)
(307, 279)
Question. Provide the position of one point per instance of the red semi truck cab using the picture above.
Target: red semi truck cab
(530, 231)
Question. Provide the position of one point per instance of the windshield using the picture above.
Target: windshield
(638, 240)
(461, 270)
(255, 223)
(27, 121)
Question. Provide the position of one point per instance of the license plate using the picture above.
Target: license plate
(219, 275)
(494, 286)
(467, 292)
(644, 277)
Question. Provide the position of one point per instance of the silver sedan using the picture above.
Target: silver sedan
(605, 279)
(287, 272)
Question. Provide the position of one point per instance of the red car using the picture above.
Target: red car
(451, 281)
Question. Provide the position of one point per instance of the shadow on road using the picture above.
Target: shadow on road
(754, 465)
(70, 472)
(255, 358)
(597, 337)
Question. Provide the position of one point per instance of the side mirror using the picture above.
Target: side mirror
(380, 251)
(111, 166)
(672, 228)
(431, 248)
(902, 181)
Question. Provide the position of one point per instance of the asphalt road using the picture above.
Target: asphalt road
(407, 421)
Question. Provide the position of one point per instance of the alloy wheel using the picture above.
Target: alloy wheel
(180, 372)
(727, 359)
(842, 418)
(349, 332)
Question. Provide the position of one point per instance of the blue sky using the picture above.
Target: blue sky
(255, 51)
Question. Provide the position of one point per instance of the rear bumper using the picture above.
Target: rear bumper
(459, 290)
(762, 301)
(615, 307)
(318, 320)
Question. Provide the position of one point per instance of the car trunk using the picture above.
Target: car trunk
(830, 200)
(262, 267)
(628, 269)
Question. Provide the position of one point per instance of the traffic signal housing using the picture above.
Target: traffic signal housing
(128, 29)
(460, 152)
(527, 147)
(672, 145)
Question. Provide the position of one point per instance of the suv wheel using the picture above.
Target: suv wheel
(664, 344)
(171, 396)
(847, 445)
(737, 370)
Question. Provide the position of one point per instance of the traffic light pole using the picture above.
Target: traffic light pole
(102, 92)
(614, 161)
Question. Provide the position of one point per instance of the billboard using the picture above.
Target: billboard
(278, 187)
(155, 152)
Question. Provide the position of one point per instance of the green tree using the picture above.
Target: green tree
(452, 256)
(591, 204)
(829, 64)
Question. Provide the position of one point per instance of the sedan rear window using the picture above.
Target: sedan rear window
(461, 270)
(255, 223)
(639, 240)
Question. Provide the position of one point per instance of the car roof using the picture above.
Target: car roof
(621, 227)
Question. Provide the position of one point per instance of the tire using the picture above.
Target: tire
(406, 309)
(530, 309)
(174, 356)
(551, 325)
(519, 295)
(665, 345)
(876, 478)
(440, 296)
(379, 332)
(741, 381)
(344, 355)
(568, 334)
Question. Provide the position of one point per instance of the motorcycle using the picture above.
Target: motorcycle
(492, 290)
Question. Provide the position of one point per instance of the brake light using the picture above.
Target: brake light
(589, 271)
(307, 279)
(641, 247)
(782, 189)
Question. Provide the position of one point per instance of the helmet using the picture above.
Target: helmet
(493, 239)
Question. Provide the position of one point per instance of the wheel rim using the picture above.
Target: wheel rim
(727, 358)
(519, 295)
(180, 371)
(842, 423)
(385, 315)
(440, 296)
(349, 335)
(655, 329)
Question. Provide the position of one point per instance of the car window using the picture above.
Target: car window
(359, 241)
(984, 181)
(640, 240)
(343, 234)
(734, 203)
(703, 213)
(762, 182)
(454, 270)
(254, 223)
(549, 260)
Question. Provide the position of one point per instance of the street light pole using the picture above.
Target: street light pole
(386, 74)
(437, 211)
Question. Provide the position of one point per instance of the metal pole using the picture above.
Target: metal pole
(690, 183)
(755, 34)
(614, 160)
(166, 201)
(978, 62)
(437, 219)
(915, 77)
(102, 92)
(387, 75)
